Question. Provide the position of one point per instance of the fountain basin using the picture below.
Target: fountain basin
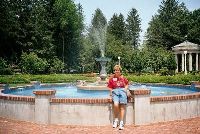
(45, 108)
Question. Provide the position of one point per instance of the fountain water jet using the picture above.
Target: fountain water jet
(99, 35)
(100, 38)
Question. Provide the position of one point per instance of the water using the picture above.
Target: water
(165, 90)
(68, 91)
(62, 92)
(100, 38)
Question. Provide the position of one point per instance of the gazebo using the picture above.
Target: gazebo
(186, 56)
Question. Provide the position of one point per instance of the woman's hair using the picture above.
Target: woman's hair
(117, 67)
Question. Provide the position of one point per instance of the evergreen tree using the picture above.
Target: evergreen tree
(194, 27)
(116, 27)
(98, 19)
(166, 28)
(133, 28)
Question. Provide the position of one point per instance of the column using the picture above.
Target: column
(141, 106)
(197, 61)
(42, 105)
(190, 61)
(183, 63)
(185, 55)
(176, 58)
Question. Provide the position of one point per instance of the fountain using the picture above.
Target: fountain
(99, 35)
(100, 38)
(103, 61)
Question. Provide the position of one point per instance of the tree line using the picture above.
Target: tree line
(44, 30)
(49, 36)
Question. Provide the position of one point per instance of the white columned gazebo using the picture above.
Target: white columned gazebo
(186, 54)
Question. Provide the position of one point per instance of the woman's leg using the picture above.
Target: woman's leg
(115, 97)
(123, 102)
(116, 114)
(122, 114)
(116, 110)
(122, 111)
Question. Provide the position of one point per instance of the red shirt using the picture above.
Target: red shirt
(120, 82)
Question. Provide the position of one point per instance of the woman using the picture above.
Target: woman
(118, 86)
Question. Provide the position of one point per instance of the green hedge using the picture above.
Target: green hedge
(61, 78)
(52, 78)
(176, 79)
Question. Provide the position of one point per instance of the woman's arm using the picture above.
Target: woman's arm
(110, 89)
(126, 87)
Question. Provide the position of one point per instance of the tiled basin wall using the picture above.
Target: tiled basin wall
(142, 109)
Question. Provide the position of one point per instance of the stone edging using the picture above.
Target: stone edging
(80, 100)
(175, 97)
(17, 98)
(103, 100)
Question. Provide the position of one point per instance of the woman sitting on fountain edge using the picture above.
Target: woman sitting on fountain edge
(118, 86)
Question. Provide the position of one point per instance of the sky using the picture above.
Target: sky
(146, 9)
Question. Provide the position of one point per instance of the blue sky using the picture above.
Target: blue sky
(146, 8)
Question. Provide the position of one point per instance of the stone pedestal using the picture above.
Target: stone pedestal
(42, 105)
(141, 106)
(103, 61)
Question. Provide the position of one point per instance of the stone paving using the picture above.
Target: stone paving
(187, 126)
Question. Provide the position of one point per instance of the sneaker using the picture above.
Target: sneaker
(121, 125)
(115, 123)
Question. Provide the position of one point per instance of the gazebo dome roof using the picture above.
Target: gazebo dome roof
(186, 46)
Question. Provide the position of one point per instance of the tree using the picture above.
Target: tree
(194, 27)
(68, 29)
(40, 31)
(45, 27)
(98, 19)
(116, 27)
(9, 29)
(116, 48)
(87, 55)
(170, 62)
(133, 28)
(157, 58)
(28, 28)
(166, 28)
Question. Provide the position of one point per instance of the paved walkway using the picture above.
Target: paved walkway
(188, 126)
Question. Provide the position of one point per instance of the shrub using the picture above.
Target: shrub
(4, 68)
(6, 71)
(164, 71)
(56, 65)
(31, 63)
